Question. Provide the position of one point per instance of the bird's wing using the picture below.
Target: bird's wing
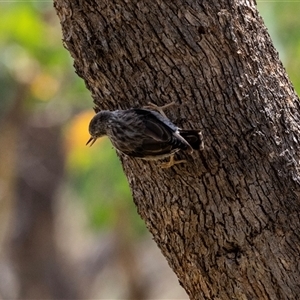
(155, 137)
(158, 134)
(154, 128)
(157, 131)
(160, 128)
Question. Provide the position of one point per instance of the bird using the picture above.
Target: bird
(144, 133)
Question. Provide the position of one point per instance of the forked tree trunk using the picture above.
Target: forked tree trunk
(228, 220)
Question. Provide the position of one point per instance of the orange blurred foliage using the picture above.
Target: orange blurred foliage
(77, 133)
(44, 86)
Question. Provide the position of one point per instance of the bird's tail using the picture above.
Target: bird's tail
(193, 137)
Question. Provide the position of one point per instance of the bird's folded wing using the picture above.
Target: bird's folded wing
(157, 131)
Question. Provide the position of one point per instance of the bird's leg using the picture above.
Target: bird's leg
(172, 162)
(160, 109)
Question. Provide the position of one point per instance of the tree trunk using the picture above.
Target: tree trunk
(228, 220)
(41, 270)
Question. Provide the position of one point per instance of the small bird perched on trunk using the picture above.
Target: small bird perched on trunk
(144, 133)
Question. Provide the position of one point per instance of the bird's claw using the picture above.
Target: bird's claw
(160, 109)
(172, 162)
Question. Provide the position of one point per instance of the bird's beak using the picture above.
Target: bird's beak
(91, 141)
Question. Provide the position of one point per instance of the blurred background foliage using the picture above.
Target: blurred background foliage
(41, 97)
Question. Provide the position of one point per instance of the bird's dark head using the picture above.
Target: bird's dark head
(98, 126)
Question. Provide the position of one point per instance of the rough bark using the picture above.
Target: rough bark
(228, 220)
